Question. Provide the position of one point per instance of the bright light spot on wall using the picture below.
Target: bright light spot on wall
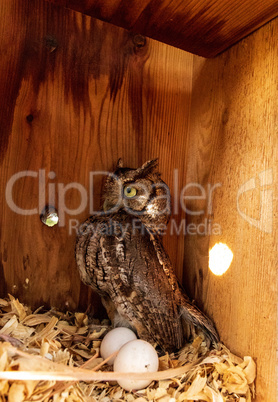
(220, 258)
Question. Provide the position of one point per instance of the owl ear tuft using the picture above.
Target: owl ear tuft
(147, 167)
(120, 163)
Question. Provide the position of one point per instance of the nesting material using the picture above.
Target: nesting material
(52, 356)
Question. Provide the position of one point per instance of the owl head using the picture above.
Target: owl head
(139, 192)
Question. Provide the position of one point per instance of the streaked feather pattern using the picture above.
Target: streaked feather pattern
(129, 267)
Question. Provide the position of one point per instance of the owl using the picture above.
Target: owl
(119, 253)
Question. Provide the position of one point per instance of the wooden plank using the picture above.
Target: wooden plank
(233, 141)
(77, 94)
(203, 27)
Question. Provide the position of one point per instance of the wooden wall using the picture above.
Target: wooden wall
(233, 140)
(77, 93)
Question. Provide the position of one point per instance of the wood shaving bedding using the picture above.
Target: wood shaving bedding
(52, 356)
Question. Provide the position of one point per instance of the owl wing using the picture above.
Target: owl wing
(190, 313)
(153, 295)
(121, 264)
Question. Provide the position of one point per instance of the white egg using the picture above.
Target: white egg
(114, 340)
(136, 357)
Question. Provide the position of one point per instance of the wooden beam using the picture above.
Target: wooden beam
(203, 27)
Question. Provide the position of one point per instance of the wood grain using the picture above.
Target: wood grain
(77, 94)
(203, 27)
(233, 139)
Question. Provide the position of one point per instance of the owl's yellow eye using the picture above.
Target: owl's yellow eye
(130, 191)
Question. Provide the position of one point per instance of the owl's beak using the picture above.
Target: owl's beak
(109, 206)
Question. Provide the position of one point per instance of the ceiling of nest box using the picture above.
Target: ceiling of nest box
(203, 27)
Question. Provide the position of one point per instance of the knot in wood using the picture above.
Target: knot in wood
(139, 41)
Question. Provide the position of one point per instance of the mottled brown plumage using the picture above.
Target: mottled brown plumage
(119, 254)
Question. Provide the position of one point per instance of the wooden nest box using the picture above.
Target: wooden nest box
(82, 84)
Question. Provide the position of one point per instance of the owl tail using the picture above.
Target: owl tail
(192, 315)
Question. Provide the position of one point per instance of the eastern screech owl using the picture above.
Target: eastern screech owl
(119, 254)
